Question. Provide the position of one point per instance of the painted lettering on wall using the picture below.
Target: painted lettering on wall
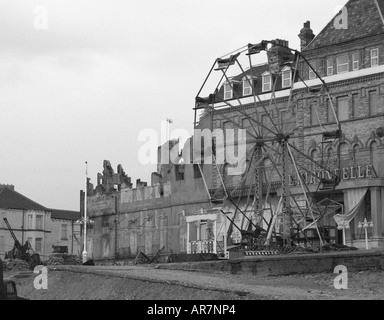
(349, 173)
(147, 193)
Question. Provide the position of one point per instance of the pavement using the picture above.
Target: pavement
(188, 281)
(152, 283)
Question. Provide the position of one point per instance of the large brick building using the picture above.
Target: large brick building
(350, 63)
(338, 83)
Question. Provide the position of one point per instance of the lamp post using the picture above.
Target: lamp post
(365, 224)
(85, 218)
(85, 222)
(344, 227)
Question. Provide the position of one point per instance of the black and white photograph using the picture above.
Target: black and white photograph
(191, 157)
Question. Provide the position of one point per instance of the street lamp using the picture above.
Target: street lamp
(344, 227)
(85, 222)
(366, 225)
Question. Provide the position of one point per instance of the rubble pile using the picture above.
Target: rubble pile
(15, 264)
(63, 259)
(316, 249)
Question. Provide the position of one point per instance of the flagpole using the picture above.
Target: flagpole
(85, 254)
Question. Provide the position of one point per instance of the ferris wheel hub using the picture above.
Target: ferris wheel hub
(281, 137)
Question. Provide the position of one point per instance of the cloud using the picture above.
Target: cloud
(72, 25)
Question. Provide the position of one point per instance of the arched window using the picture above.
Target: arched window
(373, 154)
(344, 150)
(330, 157)
(355, 153)
(315, 158)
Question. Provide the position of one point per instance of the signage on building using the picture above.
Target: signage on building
(345, 174)
(147, 193)
(100, 205)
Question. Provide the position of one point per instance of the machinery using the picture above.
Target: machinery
(22, 252)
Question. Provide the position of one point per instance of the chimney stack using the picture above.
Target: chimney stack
(7, 186)
(306, 35)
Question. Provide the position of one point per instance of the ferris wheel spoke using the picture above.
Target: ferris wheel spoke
(236, 124)
(247, 116)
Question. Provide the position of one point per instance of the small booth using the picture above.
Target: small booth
(204, 235)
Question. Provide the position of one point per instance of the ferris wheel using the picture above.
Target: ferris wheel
(284, 197)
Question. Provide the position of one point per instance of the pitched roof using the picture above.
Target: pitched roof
(65, 214)
(256, 71)
(10, 199)
(364, 20)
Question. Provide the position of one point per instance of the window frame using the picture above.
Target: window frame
(39, 241)
(40, 219)
(330, 67)
(339, 65)
(355, 61)
(314, 108)
(247, 84)
(338, 108)
(376, 57)
(283, 72)
(226, 85)
(372, 105)
(264, 83)
(355, 104)
(311, 74)
(330, 115)
(30, 221)
(64, 235)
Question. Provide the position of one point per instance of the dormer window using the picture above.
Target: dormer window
(374, 57)
(286, 77)
(247, 86)
(228, 92)
(267, 82)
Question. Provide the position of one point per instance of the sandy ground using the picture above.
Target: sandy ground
(150, 283)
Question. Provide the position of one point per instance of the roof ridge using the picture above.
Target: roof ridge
(63, 210)
(358, 11)
(25, 197)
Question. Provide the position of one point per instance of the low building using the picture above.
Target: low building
(30, 221)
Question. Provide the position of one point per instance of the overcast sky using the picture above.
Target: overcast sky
(83, 88)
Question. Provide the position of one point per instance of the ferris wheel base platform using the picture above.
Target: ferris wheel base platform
(282, 265)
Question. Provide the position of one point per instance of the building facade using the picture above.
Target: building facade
(30, 221)
(350, 62)
(337, 86)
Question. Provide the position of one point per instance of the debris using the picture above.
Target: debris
(141, 258)
(15, 264)
(63, 259)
